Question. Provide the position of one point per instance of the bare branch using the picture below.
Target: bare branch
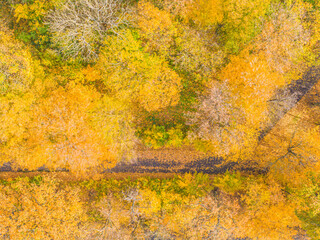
(79, 26)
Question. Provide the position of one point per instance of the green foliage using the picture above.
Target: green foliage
(160, 136)
(30, 26)
(315, 3)
(242, 22)
(309, 212)
(230, 182)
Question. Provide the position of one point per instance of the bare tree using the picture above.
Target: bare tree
(79, 26)
(216, 119)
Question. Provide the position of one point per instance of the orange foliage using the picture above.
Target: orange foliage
(233, 113)
(60, 134)
(252, 82)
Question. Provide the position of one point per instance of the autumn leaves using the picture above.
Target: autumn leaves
(183, 207)
(238, 106)
(84, 81)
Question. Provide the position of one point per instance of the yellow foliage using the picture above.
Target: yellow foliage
(150, 204)
(156, 27)
(60, 134)
(197, 54)
(40, 211)
(204, 13)
(230, 118)
(133, 75)
(113, 119)
(253, 82)
(14, 118)
(292, 148)
(163, 89)
(271, 215)
(207, 12)
(286, 39)
(242, 21)
(91, 74)
(19, 84)
(16, 65)
(29, 18)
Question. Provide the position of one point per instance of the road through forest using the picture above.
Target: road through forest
(165, 162)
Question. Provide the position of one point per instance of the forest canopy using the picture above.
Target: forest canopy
(87, 85)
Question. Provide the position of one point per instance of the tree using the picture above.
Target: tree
(205, 13)
(250, 77)
(114, 214)
(234, 111)
(242, 22)
(217, 216)
(270, 214)
(218, 122)
(17, 78)
(119, 133)
(197, 54)
(69, 130)
(157, 30)
(309, 205)
(286, 39)
(16, 65)
(283, 100)
(131, 74)
(59, 135)
(41, 209)
(29, 21)
(292, 145)
(79, 27)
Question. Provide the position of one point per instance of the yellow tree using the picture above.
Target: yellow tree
(204, 13)
(253, 82)
(18, 76)
(309, 205)
(270, 215)
(41, 209)
(242, 21)
(29, 20)
(214, 216)
(64, 134)
(207, 12)
(292, 147)
(197, 54)
(113, 119)
(131, 74)
(233, 113)
(59, 135)
(157, 30)
(286, 39)
(16, 64)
